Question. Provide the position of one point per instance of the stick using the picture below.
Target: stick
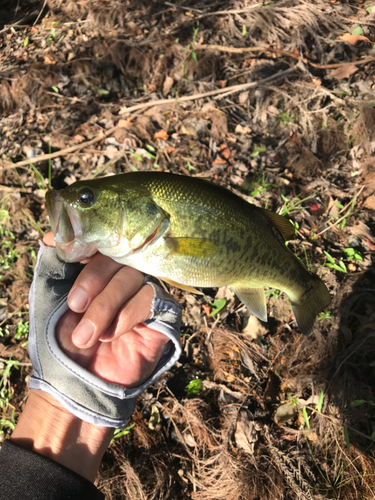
(244, 50)
(62, 152)
(194, 97)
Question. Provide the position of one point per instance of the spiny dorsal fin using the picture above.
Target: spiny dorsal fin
(286, 228)
(254, 299)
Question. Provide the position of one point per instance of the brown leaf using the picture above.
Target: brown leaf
(370, 202)
(344, 71)
(206, 309)
(354, 39)
(219, 161)
(167, 85)
(246, 434)
(49, 59)
(162, 134)
(225, 151)
(169, 149)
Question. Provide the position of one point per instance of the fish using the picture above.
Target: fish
(190, 233)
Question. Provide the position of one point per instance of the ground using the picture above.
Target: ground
(273, 100)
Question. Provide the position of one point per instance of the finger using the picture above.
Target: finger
(104, 308)
(91, 282)
(136, 310)
(48, 239)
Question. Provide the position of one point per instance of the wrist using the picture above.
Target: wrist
(46, 427)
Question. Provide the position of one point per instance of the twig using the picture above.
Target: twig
(342, 210)
(62, 152)
(194, 97)
(232, 11)
(244, 50)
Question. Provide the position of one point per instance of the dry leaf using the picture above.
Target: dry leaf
(225, 151)
(354, 39)
(243, 97)
(169, 149)
(124, 124)
(222, 83)
(344, 71)
(254, 328)
(246, 434)
(206, 309)
(167, 85)
(370, 202)
(242, 130)
(49, 60)
(162, 134)
(360, 229)
(219, 161)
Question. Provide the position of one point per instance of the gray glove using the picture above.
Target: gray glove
(85, 395)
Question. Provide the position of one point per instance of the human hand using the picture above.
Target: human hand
(109, 302)
(98, 381)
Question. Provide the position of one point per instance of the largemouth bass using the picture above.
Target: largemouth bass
(188, 232)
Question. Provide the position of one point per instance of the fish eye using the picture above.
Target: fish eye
(86, 198)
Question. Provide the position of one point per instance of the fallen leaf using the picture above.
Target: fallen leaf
(78, 138)
(225, 151)
(370, 202)
(162, 134)
(362, 230)
(189, 14)
(243, 97)
(49, 60)
(206, 309)
(254, 328)
(246, 434)
(222, 83)
(354, 39)
(123, 124)
(169, 149)
(219, 161)
(242, 130)
(344, 71)
(167, 85)
(285, 412)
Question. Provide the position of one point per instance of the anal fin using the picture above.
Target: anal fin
(187, 288)
(254, 299)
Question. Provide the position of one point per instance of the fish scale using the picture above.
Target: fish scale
(189, 232)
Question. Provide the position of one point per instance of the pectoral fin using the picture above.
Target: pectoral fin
(183, 287)
(254, 299)
(192, 247)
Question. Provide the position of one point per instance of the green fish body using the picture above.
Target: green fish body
(188, 232)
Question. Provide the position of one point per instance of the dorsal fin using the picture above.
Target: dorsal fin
(287, 229)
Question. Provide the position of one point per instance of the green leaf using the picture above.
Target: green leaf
(369, 9)
(194, 387)
(306, 417)
(103, 92)
(194, 56)
(55, 89)
(258, 149)
(150, 148)
(319, 406)
(329, 257)
(357, 31)
(244, 30)
(26, 42)
(119, 433)
(358, 402)
(218, 306)
(137, 157)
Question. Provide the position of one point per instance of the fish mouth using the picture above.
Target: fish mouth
(67, 229)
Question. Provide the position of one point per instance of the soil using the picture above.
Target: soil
(276, 102)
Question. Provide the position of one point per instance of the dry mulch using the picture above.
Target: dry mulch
(274, 101)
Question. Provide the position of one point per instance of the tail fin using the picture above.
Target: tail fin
(310, 304)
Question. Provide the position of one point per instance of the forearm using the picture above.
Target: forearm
(47, 428)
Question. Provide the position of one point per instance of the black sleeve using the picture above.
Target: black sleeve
(27, 475)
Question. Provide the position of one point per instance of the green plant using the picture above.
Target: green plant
(337, 265)
(286, 117)
(260, 185)
(22, 329)
(6, 367)
(293, 204)
(121, 432)
(194, 387)
(258, 150)
(190, 52)
(324, 315)
(352, 254)
(218, 305)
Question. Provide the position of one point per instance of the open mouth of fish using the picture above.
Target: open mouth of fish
(67, 230)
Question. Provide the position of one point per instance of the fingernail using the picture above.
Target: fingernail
(83, 333)
(78, 300)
